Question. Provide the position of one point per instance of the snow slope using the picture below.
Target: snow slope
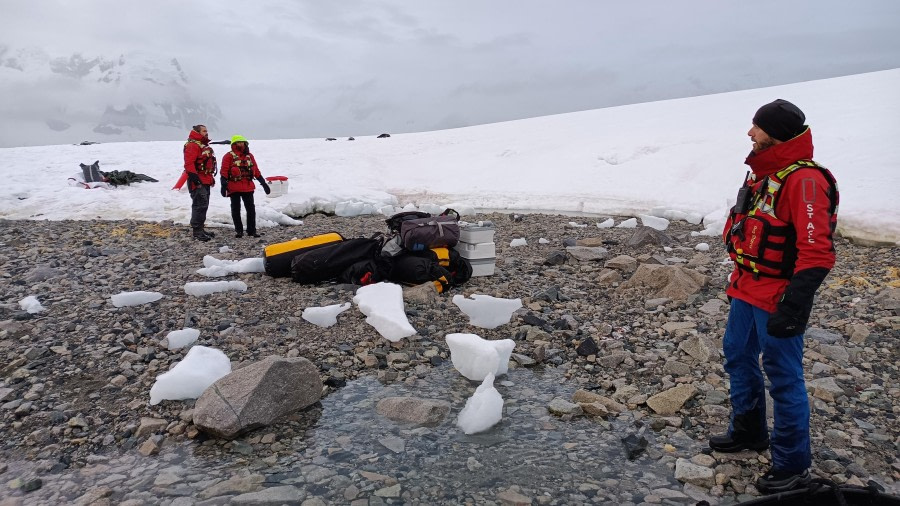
(681, 155)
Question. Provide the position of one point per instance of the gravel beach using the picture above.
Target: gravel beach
(77, 426)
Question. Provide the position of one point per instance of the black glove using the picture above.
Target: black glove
(224, 186)
(265, 186)
(792, 313)
(193, 179)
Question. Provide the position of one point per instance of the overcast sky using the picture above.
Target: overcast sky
(287, 69)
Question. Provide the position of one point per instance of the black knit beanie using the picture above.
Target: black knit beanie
(781, 120)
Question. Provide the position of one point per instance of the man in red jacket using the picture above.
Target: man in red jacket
(779, 235)
(200, 166)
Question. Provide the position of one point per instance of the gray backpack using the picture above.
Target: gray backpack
(433, 232)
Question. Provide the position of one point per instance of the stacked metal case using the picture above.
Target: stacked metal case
(476, 244)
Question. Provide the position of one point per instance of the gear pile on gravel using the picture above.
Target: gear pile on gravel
(615, 383)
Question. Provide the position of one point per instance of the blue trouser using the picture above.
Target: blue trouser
(745, 339)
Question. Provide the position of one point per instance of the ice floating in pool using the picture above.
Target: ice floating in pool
(487, 312)
(382, 303)
(199, 369)
(475, 357)
(134, 298)
(324, 316)
(207, 287)
(483, 410)
(180, 338)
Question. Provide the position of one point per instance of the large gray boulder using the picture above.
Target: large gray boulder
(676, 283)
(257, 395)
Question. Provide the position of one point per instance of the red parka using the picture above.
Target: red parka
(239, 169)
(804, 202)
(199, 158)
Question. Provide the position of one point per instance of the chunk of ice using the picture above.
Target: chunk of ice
(207, 287)
(31, 304)
(213, 267)
(487, 312)
(543, 241)
(382, 303)
(629, 223)
(654, 222)
(702, 247)
(518, 242)
(199, 369)
(181, 338)
(134, 298)
(483, 410)
(324, 316)
(607, 223)
(475, 357)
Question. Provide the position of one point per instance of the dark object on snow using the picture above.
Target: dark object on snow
(634, 445)
(226, 141)
(384, 136)
(350, 139)
(88, 143)
(126, 177)
(821, 492)
(330, 139)
(92, 172)
(587, 347)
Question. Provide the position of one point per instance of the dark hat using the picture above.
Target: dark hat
(781, 120)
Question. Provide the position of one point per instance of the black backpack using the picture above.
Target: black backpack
(443, 266)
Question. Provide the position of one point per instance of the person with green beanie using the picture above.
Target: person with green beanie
(239, 169)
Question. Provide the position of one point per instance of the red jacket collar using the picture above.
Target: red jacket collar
(195, 136)
(779, 156)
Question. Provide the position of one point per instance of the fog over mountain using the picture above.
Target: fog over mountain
(133, 96)
(73, 71)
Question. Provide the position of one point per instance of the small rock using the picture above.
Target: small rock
(559, 407)
(587, 347)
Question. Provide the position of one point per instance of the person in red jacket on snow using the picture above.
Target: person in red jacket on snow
(779, 235)
(200, 166)
(239, 169)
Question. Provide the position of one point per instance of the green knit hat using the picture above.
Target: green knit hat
(238, 138)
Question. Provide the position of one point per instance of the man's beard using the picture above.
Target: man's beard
(761, 145)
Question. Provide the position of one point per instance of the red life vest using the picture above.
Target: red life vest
(756, 239)
(206, 160)
(244, 164)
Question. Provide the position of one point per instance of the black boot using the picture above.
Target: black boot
(776, 481)
(239, 234)
(746, 434)
(208, 233)
(199, 235)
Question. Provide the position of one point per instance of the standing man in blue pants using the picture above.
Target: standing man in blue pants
(779, 235)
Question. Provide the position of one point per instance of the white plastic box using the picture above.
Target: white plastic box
(278, 186)
(478, 251)
(473, 233)
(483, 267)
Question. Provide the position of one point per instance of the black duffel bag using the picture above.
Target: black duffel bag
(331, 260)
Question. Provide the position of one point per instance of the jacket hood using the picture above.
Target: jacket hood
(195, 136)
(779, 156)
